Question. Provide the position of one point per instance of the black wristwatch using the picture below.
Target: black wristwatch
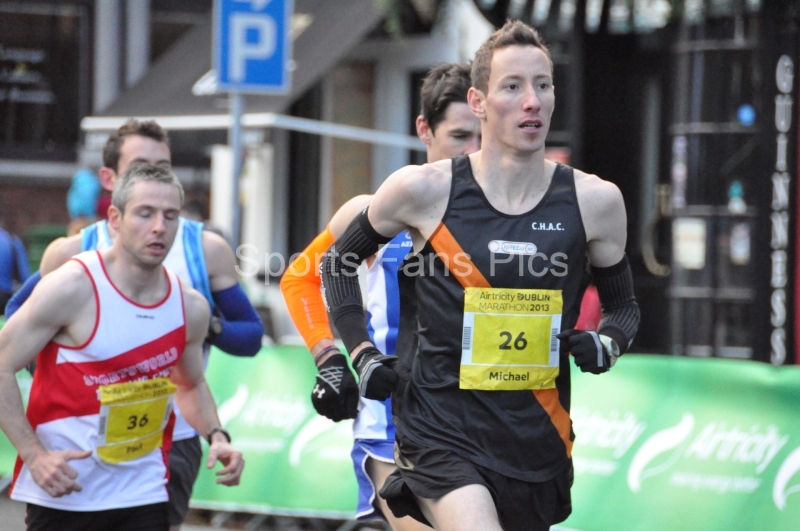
(214, 328)
(223, 431)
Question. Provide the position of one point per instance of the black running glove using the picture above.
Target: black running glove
(335, 394)
(376, 374)
(593, 352)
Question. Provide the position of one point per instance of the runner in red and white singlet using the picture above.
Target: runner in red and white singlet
(118, 342)
(63, 408)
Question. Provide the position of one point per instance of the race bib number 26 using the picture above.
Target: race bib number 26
(509, 339)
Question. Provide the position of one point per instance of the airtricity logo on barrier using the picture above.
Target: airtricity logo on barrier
(756, 446)
(659, 443)
(616, 431)
(287, 423)
(782, 488)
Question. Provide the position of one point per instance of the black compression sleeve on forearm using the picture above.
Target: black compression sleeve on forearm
(618, 303)
(340, 278)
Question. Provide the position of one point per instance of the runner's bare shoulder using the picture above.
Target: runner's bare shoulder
(197, 312)
(597, 197)
(58, 252)
(417, 188)
(604, 218)
(347, 212)
(64, 291)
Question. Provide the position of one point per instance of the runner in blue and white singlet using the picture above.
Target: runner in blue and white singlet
(373, 429)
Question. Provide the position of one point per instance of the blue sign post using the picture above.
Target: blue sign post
(252, 45)
(252, 49)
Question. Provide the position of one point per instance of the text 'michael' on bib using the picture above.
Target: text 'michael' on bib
(133, 416)
(509, 339)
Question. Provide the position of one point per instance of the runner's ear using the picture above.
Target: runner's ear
(475, 99)
(108, 178)
(424, 131)
(114, 217)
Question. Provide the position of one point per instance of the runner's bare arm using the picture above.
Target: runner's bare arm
(220, 262)
(346, 213)
(51, 309)
(413, 197)
(194, 396)
(604, 219)
(605, 222)
(58, 252)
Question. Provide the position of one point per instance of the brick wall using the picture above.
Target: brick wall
(25, 206)
(28, 205)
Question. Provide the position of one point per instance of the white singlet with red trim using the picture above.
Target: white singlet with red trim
(130, 342)
(186, 259)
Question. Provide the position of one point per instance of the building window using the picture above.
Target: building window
(44, 78)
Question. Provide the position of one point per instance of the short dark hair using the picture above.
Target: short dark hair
(195, 207)
(142, 173)
(512, 33)
(147, 128)
(445, 84)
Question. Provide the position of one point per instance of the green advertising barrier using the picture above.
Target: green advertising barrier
(662, 444)
(297, 462)
(666, 443)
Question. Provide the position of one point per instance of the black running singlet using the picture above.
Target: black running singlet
(481, 305)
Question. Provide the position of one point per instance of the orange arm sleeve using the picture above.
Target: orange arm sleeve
(300, 286)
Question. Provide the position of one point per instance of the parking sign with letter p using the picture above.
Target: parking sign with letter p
(252, 45)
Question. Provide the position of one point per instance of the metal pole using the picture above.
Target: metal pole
(235, 142)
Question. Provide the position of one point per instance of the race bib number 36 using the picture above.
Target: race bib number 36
(133, 416)
(509, 339)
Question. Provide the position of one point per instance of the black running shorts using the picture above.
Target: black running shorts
(433, 472)
(143, 518)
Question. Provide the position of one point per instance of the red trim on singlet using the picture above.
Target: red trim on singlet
(149, 307)
(15, 475)
(183, 302)
(59, 390)
(96, 317)
(167, 446)
(166, 442)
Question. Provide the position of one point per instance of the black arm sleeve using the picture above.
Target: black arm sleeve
(618, 304)
(340, 279)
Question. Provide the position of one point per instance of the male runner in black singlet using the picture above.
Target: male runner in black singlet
(500, 238)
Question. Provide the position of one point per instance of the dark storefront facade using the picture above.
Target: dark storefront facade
(689, 107)
(51, 74)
